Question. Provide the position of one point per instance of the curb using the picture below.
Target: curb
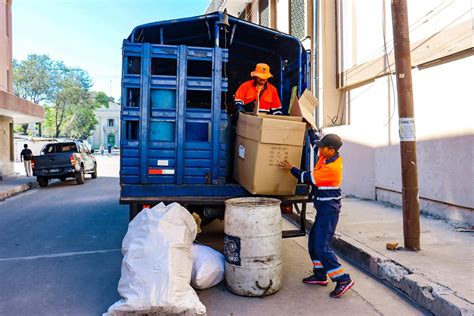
(17, 190)
(435, 297)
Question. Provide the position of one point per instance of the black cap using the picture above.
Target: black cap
(330, 140)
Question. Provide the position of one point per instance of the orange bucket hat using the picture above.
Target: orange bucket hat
(261, 71)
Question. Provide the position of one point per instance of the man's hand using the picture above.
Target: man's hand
(285, 164)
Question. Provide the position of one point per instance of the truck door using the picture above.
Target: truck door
(172, 115)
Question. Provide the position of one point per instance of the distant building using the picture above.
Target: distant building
(107, 131)
(12, 108)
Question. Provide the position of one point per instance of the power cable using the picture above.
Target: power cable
(384, 30)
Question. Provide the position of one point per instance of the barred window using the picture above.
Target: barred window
(264, 11)
(297, 18)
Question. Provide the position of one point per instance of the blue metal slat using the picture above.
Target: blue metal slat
(181, 108)
(162, 153)
(144, 107)
(216, 110)
(197, 163)
(129, 179)
(130, 162)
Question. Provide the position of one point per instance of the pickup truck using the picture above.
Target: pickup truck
(64, 160)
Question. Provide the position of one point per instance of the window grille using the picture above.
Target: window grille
(297, 18)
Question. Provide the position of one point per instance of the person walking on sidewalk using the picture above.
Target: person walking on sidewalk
(326, 179)
(26, 155)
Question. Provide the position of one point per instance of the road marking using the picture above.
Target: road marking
(58, 255)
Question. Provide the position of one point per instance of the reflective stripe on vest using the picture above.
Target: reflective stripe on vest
(328, 198)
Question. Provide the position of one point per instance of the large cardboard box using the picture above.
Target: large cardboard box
(262, 142)
(305, 107)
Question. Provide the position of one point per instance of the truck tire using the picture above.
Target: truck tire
(43, 182)
(80, 178)
(94, 172)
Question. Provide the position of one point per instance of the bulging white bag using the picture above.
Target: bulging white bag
(157, 264)
(208, 267)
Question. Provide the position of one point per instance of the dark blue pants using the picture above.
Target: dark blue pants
(323, 257)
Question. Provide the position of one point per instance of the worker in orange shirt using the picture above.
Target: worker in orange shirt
(258, 95)
(326, 179)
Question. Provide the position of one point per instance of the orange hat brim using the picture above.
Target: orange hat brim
(260, 75)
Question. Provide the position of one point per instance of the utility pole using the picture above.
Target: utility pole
(411, 207)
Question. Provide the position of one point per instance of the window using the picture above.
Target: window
(297, 18)
(111, 122)
(246, 14)
(264, 13)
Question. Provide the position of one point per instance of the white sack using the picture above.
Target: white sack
(157, 264)
(208, 267)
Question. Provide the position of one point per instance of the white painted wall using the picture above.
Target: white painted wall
(443, 101)
(444, 112)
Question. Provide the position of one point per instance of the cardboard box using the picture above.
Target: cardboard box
(305, 107)
(262, 142)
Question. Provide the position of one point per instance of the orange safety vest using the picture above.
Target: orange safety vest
(327, 177)
(266, 99)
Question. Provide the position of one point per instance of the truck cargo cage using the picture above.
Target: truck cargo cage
(178, 82)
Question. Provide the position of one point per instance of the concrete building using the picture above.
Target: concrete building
(357, 91)
(107, 131)
(12, 109)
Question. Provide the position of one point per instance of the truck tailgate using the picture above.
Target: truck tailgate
(52, 161)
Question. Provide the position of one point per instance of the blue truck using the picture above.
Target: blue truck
(177, 113)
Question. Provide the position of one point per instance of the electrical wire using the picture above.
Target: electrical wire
(390, 78)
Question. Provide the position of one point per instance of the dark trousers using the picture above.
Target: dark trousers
(323, 257)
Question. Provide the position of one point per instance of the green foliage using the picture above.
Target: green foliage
(69, 104)
(31, 78)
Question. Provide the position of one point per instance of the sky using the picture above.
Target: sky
(89, 33)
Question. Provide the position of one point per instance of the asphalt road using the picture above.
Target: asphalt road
(60, 255)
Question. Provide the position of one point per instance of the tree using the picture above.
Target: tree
(69, 95)
(31, 80)
(65, 93)
(83, 120)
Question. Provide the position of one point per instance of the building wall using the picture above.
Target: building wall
(443, 113)
(6, 162)
(5, 46)
(364, 100)
(102, 130)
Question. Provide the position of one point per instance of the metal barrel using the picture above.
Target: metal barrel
(252, 246)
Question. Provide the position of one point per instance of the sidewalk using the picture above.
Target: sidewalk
(439, 277)
(14, 186)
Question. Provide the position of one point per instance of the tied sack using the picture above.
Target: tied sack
(208, 267)
(157, 264)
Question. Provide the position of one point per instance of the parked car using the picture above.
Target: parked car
(64, 160)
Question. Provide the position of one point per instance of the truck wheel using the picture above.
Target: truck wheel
(94, 172)
(43, 182)
(80, 176)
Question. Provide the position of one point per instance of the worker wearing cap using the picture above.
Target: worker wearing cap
(257, 94)
(326, 179)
